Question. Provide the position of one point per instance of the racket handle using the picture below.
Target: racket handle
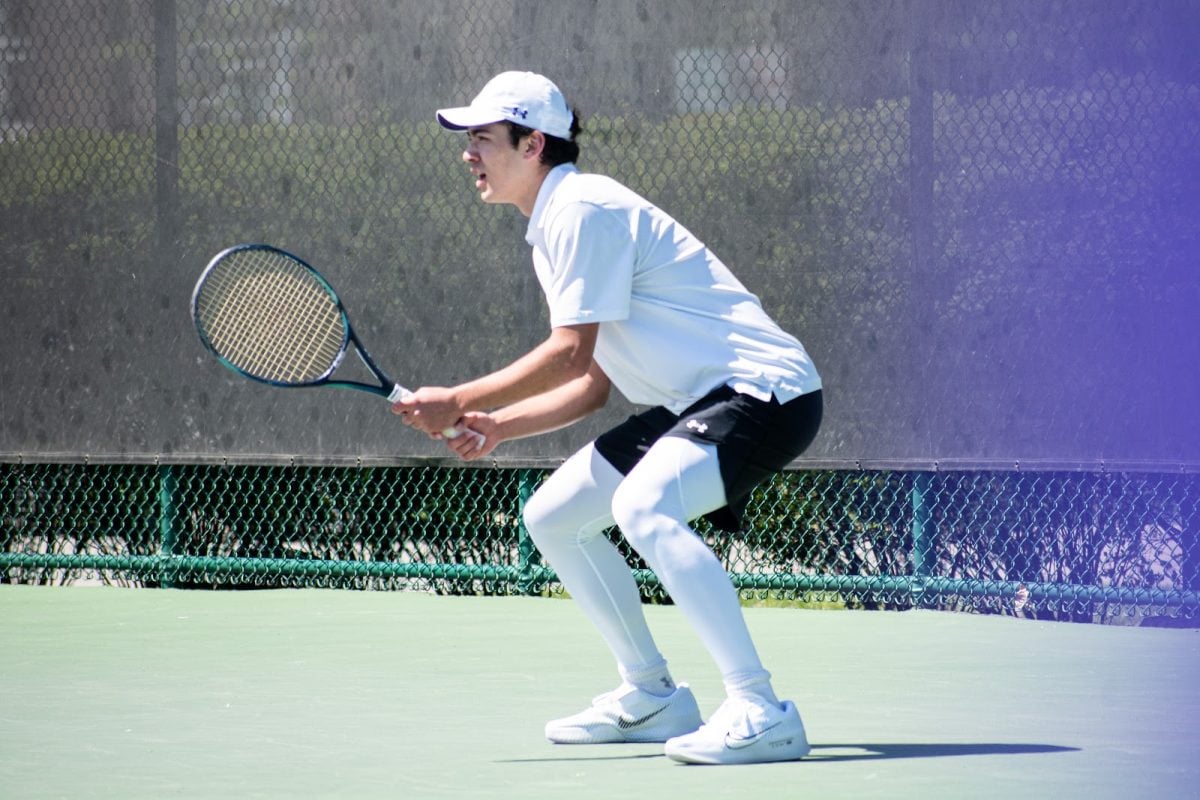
(399, 393)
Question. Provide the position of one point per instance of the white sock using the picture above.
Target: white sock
(754, 685)
(652, 679)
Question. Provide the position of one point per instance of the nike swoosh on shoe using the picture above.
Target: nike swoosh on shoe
(625, 722)
(739, 742)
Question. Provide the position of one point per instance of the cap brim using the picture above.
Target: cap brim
(463, 117)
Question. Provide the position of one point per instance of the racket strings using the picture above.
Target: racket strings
(245, 320)
(271, 317)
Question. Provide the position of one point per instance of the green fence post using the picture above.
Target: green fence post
(527, 554)
(167, 534)
(919, 503)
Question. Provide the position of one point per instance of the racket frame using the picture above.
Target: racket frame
(386, 388)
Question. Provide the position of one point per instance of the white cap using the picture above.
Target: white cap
(525, 98)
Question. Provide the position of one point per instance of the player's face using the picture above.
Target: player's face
(503, 173)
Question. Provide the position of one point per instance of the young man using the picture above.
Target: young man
(637, 302)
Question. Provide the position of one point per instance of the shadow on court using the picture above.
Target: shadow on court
(874, 752)
(842, 753)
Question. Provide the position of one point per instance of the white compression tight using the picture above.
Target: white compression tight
(676, 481)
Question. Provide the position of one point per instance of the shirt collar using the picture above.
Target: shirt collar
(553, 178)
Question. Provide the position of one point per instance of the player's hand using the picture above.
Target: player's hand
(468, 446)
(431, 409)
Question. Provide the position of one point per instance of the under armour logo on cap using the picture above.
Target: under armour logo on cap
(697, 426)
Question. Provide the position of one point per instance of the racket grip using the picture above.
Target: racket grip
(399, 393)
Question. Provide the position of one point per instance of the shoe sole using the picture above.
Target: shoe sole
(614, 736)
(755, 755)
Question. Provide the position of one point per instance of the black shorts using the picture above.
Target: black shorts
(755, 439)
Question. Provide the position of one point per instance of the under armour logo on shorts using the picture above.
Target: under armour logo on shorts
(697, 426)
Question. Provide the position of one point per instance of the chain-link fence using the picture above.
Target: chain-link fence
(1094, 546)
(981, 218)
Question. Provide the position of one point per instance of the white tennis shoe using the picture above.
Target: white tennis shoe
(743, 731)
(627, 714)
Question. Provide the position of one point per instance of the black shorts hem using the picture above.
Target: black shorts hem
(755, 439)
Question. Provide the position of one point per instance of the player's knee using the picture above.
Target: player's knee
(552, 519)
(539, 515)
(636, 515)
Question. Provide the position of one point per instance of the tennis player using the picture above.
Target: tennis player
(638, 302)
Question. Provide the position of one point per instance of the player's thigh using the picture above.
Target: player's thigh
(678, 478)
(576, 499)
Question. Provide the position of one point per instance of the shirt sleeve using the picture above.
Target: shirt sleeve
(591, 252)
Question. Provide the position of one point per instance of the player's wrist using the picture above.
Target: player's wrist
(466, 397)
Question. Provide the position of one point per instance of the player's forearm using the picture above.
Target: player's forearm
(554, 409)
(564, 357)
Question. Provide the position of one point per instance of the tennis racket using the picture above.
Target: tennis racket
(271, 317)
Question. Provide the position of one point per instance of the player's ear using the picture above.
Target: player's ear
(534, 143)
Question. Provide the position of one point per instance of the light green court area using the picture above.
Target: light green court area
(127, 693)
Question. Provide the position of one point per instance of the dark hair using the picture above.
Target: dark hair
(557, 151)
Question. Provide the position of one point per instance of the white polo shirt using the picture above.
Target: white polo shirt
(674, 321)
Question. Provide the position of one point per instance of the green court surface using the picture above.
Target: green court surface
(129, 693)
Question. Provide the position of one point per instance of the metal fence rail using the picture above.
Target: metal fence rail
(1088, 546)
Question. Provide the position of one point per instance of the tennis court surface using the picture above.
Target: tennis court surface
(308, 693)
